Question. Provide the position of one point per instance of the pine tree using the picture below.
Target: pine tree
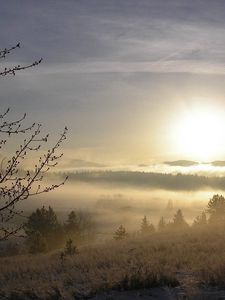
(46, 223)
(72, 225)
(43, 220)
(80, 226)
(200, 221)
(37, 243)
(120, 233)
(161, 224)
(203, 219)
(179, 221)
(169, 205)
(146, 227)
(216, 209)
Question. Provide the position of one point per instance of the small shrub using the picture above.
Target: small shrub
(70, 248)
(120, 233)
(10, 248)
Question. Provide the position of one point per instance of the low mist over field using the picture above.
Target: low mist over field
(116, 197)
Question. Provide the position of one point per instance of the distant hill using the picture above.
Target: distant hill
(80, 163)
(143, 165)
(218, 163)
(182, 163)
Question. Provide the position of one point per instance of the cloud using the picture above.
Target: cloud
(181, 163)
(190, 163)
(112, 60)
(98, 36)
(193, 66)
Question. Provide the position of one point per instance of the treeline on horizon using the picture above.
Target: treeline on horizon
(178, 182)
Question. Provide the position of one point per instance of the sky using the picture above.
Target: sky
(122, 75)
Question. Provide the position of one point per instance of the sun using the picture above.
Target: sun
(200, 134)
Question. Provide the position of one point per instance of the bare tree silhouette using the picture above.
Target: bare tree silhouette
(16, 184)
(12, 70)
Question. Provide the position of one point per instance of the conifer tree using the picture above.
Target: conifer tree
(120, 233)
(200, 221)
(216, 209)
(42, 220)
(72, 225)
(45, 222)
(37, 243)
(179, 221)
(161, 224)
(146, 227)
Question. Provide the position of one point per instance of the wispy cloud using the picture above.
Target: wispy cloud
(160, 66)
(113, 60)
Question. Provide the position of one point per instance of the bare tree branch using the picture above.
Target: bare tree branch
(12, 70)
(17, 184)
(5, 52)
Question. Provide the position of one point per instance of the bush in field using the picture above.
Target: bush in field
(37, 243)
(70, 248)
(146, 227)
(120, 233)
(216, 209)
(11, 248)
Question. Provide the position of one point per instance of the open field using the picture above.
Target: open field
(180, 262)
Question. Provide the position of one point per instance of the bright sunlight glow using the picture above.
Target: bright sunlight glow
(201, 135)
